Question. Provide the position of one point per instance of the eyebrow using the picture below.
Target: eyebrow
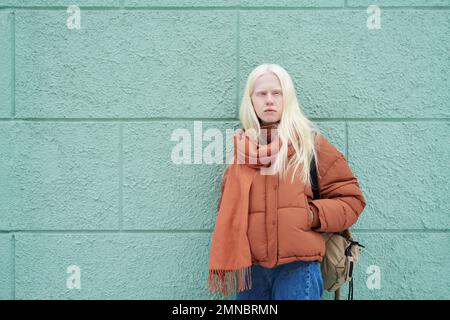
(258, 91)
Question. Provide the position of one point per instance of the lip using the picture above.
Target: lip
(270, 110)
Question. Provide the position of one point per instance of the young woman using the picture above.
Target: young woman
(267, 241)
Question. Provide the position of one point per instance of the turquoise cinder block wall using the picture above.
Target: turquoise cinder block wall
(86, 117)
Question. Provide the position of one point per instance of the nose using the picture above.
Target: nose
(269, 98)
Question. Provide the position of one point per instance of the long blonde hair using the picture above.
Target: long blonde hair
(293, 123)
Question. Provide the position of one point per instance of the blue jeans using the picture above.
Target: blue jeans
(298, 280)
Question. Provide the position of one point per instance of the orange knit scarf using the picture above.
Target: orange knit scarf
(230, 257)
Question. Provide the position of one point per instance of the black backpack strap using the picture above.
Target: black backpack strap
(316, 192)
(314, 179)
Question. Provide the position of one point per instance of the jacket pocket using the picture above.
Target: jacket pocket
(257, 235)
(308, 212)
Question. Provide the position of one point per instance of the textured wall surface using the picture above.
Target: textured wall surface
(86, 117)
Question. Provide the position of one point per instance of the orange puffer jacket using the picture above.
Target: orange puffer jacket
(280, 228)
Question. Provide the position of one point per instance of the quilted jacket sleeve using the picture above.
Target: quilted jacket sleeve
(341, 200)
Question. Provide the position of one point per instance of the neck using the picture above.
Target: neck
(270, 125)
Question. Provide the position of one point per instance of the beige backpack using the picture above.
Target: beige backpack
(338, 264)
(341, 253)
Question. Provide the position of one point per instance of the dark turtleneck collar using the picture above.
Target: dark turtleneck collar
(268, 127)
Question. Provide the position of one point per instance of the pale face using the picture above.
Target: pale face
(267, 98)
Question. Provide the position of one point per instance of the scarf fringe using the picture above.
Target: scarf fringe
(225, 281)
